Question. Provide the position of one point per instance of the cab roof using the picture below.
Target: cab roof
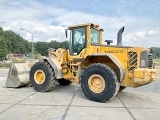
(86, 24)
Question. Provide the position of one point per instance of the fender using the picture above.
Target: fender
(114, 59)
(56, 66)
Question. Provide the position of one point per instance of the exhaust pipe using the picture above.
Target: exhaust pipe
(119, 36)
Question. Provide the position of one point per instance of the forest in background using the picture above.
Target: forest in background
(11, 42)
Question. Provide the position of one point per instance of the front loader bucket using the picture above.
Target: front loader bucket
(18, 75)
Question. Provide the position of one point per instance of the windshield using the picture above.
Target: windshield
(94, 36)
(77, 40)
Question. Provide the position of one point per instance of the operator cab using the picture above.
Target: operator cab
(80, 35)
(77, 40)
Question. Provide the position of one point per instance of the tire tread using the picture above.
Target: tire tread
(107, 68)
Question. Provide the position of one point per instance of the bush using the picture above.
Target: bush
(36, 56)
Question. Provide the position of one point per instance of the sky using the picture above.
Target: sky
(48, 19)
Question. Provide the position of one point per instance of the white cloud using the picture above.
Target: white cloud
(40, 32)
(51, 39)
(49, 22)
(142, 38)
(141, 35)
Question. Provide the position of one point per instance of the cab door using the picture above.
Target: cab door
(77, 43)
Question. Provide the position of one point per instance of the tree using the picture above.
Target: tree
(42, 48)
(15, 43)
(64, 44)
(3, 48)
(156, 52)
(54, 44)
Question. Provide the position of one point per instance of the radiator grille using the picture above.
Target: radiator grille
(150, 61)
(132, 60)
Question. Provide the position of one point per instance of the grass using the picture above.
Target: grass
(5, 65)
(157, 62)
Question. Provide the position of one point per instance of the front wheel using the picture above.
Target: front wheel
(42, 77)
(99, 82)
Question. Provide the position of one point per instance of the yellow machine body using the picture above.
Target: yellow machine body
(101, 69)
(133, 65)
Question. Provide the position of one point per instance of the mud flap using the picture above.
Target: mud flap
(18, 75)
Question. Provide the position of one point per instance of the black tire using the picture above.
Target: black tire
(64, 82)
(121, 88)
(111, 82)
(50, 80)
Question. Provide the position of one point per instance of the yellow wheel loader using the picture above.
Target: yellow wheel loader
(101, 69)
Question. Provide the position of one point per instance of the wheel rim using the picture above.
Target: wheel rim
(96, 83)
(39, 76)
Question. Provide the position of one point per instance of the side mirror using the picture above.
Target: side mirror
(66, 33)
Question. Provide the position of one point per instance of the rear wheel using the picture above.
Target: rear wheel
(64, 82)
(42, 77)
(99, 82)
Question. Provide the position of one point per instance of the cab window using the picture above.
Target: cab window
(94, 36)
(78, 40)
